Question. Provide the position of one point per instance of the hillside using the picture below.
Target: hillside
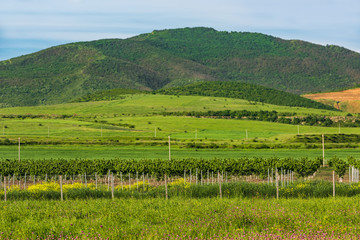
(346, 100)
(244, 91)
(171, 58)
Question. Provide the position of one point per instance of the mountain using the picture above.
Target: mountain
(176, 57)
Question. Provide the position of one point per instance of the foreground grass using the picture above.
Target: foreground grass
(182, 218)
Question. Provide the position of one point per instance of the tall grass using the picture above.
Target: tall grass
(179, 218)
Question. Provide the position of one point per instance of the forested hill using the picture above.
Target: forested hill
(245, 91)
(171, 58)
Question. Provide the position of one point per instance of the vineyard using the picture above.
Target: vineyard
(176, 167)
(194, 178)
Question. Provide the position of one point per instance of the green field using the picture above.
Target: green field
(138, 152)
(202, 218)
(144, 104)
(126, 128)
(178, 127)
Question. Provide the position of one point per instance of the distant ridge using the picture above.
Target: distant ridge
(176, 57)
(245, 91)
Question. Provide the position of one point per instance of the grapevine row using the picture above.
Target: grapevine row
(240, 166)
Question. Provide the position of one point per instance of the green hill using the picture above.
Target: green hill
(245, 91)
(171, 58)
(107, 95)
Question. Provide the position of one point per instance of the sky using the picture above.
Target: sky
(28, 26)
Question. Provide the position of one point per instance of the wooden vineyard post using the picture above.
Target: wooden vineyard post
(129, 181)
(85, 180)
(184, 177)
(277, 182)
(349, 174)
(169, 149)
(121, 180)
(108, 177)
(323, 149)
(201, 177)
(96, 180)
(333, 173)
(19, 150)
(112, 186)
(196, 177)
(25, 182)
(190, 176)
(61, 188)
(219, 181)
(166, 189)
(148, 185)
(4, 188)
(143, 178)
(137, 181)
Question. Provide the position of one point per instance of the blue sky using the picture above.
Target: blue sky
(30, 25)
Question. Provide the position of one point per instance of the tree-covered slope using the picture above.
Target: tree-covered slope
(175, 57)
(245, 91)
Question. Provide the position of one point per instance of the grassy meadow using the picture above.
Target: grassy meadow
(178, 127)
(145, 104)
(180, 218)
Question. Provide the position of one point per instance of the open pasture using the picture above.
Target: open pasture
(145, 126)
(179, 218)
(145, 104)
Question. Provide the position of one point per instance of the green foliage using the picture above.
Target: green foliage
(306, 167)
(339, 166)
(274, 116)
(240, 166)
(245, 91)
(175, 58)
